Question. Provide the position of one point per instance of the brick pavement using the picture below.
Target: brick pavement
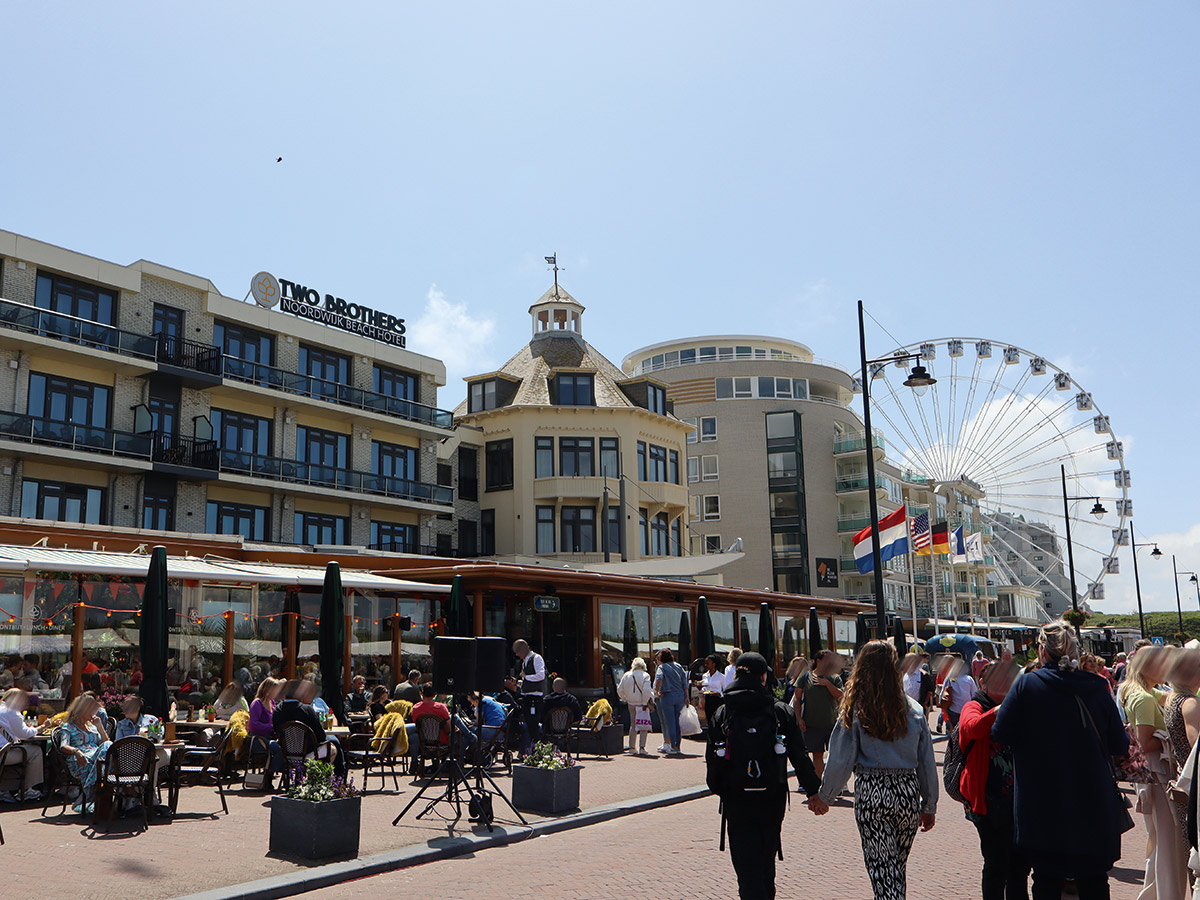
(200, 851)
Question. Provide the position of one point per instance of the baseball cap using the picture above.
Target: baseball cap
(754, 662)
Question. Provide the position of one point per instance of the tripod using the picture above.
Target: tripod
(458, 782)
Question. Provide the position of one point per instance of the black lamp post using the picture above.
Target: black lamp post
(1178, 602)
(1155, 554)
(919, 380)
(1098, 511)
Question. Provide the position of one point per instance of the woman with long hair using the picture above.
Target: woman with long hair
(1063, 728)
(1181, 714)
(230, 700)
(1140, 698)
(84, 744)
(882, 737)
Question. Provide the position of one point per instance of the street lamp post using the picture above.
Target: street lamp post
(1178, 602)
(919, 380)
(1155, 554)
(1098, 511)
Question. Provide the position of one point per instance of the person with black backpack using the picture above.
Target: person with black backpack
(751, 738)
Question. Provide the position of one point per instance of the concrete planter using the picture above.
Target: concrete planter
(548, 791)
(309, 830)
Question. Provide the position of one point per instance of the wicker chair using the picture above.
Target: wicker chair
(126, 771)
(430, 729)
(191, 766)
(556, 728)
(298, 743)
(58, 775)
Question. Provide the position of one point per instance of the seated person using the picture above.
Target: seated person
(409, 690)
(356, 700)
(84, 743)
(134, 719)
(518, 731)
(230, 700)
(559, 697)
(428, 706)
(12, 726)
(298, 706)
(379, 702)
(489, 716)
(318, 702)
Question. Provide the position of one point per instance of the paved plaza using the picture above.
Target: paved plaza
(665, 853)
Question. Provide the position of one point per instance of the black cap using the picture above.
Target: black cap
(754, 662)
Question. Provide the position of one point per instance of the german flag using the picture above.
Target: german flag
(941, 538)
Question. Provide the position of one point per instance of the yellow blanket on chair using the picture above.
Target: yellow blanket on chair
(239, 732)
(391, 725)
(601, 710)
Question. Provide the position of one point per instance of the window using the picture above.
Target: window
(610, 457)
(468, 538)
(708, 428)
(782, 464)
(687, 357)
(578, 529)
(693, 435)
(168, 321)
(712, 543)
(677, 536)
(708, 354)
(573, 389)
(241, 433)
(398, 461)
(251, 522)
(712, 507)
(468, 473)
(673, 466)
(329, 368)
(576, 456)
(164, 414)
(76, 298)
(785, 504)
(61, 502)
(498, 462)
(487, 532)
(724, 388)
(318, 528)
(709, 469)
(545, 529)
(644, 532)
(482, 396)
(641, 456)
(693, 469)
(656, 399)
(697, 512)
(68, 401)
(158, 504)
(781, 425)
(318, 447)
(394, 537)
(445, 474)
(660, 535)
(394, 383)
(742, 388)
(543, 457)
(614, 529)
(244, 344)
(658, 463)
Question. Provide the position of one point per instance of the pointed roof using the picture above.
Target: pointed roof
(562, 299)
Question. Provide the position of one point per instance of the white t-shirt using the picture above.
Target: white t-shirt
(912, 684)
(963, 689)
(714, 683)
(730, 674)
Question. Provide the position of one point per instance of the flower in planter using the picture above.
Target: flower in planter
(1075, 617)
(546, 756)
(317, 782)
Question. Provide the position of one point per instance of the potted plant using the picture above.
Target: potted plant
(547, 781)
(210, 713)
(1075, 617)
(318, 817)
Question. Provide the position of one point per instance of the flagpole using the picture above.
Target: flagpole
(933, 585)
(912, 582)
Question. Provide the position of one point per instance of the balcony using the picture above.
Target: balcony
(196, 364)
(32, 430)
(848, 565)
(857, 482)
(854, 522)
(849, 443)
(44, 323)
(172, 452)
(314, 475)
(333, 392)
(419, 549)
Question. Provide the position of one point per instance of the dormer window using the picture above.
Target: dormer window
(656, 399)
(483, 395)
(574, 389)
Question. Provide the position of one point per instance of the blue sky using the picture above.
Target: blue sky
(1021, 171)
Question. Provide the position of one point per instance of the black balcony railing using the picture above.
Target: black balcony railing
(332, 477)
(43, 322)
(185, 451)
(342, 394)
(14, 426)
(177, 351)
(422, 549)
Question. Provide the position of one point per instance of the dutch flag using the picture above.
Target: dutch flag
(893, 540)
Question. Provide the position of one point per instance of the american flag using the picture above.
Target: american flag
(920, 533)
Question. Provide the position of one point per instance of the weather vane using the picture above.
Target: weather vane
(553, 261)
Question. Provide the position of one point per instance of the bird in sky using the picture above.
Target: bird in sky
(279, 159)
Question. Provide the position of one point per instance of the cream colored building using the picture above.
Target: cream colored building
(565, 435)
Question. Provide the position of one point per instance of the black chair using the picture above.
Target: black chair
(498, 747)
(430, 729)
(14, 760)
(191, 766)
(381, 756)
(556, 728)
(126, 771)
(58, 775)
(298, 743)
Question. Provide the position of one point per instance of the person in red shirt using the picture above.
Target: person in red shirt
(987, 786)
(428, 707)
(88, 666)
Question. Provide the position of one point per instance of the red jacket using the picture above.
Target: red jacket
(976, 725)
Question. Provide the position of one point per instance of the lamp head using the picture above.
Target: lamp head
(919, 380)
(1098, 510)
(1156, 553)
(1193, 579)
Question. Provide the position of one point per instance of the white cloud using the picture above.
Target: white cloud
(449, 332)
(1158, 591)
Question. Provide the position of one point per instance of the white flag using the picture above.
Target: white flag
(974, 544)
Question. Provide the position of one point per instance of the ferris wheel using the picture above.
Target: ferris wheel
(1010, 423)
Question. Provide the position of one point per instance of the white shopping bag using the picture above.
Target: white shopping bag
(689, 721)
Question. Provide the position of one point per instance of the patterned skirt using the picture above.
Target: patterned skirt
(887, 809)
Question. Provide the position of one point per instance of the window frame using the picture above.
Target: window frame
(712, 507)
(384, 533)
(708, 473)
(610, 450)
(567, 385)
(543, 517)
(543, 457)
(304, 522)
(38, 491)
(577, 457)
(498, 465)
(577, 521)
(216, 511)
